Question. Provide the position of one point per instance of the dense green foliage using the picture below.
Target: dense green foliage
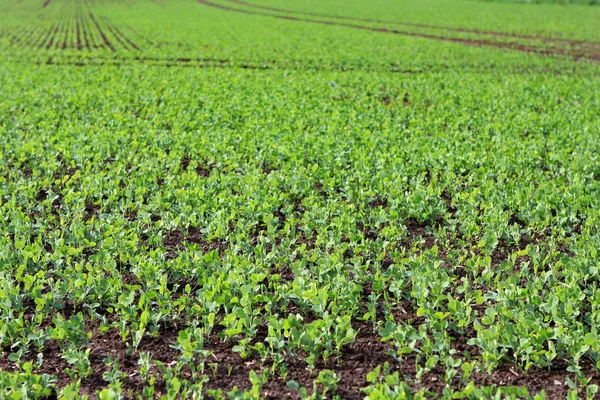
(563, 2)
(272, 200)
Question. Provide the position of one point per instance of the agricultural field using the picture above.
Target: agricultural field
(310, 199)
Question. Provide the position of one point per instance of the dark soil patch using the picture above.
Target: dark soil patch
(387, 99)
(41, 195)
(130, 216)
(418, 230)
(280, 215)
(368, 232)
(185, 163)
(319, 188)
(551, 380)
(174, 241)
(304, 239)
(387, 261)
(267, 168)
(90, 210)
(447, 199)
(203, 170)
(379, 202)
(103, 345)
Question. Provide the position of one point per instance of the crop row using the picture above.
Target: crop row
(73, 26)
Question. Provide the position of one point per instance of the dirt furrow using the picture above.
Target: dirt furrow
(78, 30)
(55, 36)
(42, 37)
(25, 39)
(107, 42)
(118, 39)
(66, 32)
(271, 65)
(17, 35)
(34, 38)
(116, 31)
(51, 34)
(137, 34)
(571, 42)
(469, 42)
(87, 31)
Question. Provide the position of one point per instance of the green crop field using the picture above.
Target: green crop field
(309, 199)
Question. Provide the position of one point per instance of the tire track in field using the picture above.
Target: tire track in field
(139, 35)
(468, 42)
(119, 40)
(23, 40)
(42, 37)
(107, 42)
(78, 31)
(55, 42)
(54, 33)
(17, 34)
(39, 36)
(84, 30)
(272, 65)
(212, 63)
(87, 31)
(119, 35)
(66, 35)
(424, 26)
(32, 38)
(62, 36)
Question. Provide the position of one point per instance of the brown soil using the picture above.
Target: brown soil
(351, 365)
(175, 240)
(379, 202)
(203, 171)
(91, 209)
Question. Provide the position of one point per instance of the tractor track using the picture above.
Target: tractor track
(23, 39)
(42, 37)
(78, 31)
(469, 42)
(118, 39)
(274, 65)
(88, 32)
(571, 42)
(119, 35)
(107, 42)
(66, 35)
(33, 37)
(54, 34)
(17, 35)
